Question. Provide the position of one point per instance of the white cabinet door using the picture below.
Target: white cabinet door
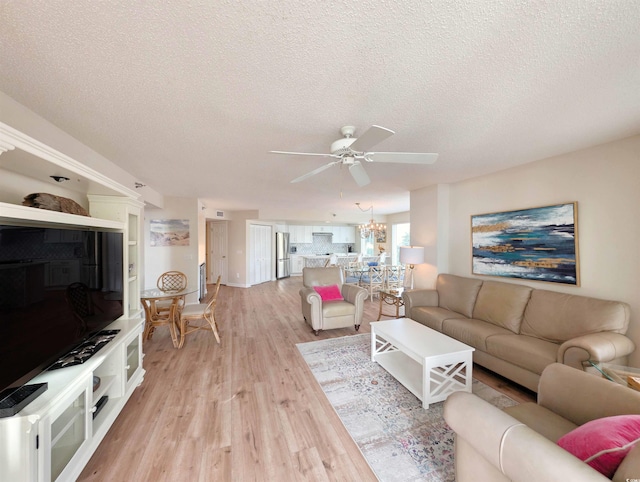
(297, 263)
(349, 234)
(295, 234)
(300, 234)
(260, 254)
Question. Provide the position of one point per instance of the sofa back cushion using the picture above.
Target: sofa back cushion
(502, 304)
(457, 294)
(559, 317)
(322, 277)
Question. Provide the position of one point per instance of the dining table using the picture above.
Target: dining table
(155, 317)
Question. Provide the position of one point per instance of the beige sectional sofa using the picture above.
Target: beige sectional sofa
(519, 443)
(517, 331)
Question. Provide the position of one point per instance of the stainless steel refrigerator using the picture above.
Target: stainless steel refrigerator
(283, 263)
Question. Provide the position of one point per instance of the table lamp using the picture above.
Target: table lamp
(410, 255)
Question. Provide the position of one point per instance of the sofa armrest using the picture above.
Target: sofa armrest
(311, 307)
(597, 347)
(515, 450)
(309, 295)
(580, 397)
(415, 298)
(354, 294)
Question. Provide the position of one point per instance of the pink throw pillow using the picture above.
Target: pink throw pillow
(603, 443)
(329, 293)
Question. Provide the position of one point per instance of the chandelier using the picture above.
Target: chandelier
(372, 228)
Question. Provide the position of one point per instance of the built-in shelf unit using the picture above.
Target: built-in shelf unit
(54, 436)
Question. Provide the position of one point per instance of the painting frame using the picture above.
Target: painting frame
(381, 236)
(534, 244)
(169, 232)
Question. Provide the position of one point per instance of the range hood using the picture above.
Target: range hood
(322, 234)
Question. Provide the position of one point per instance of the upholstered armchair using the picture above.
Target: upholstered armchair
(343, 304)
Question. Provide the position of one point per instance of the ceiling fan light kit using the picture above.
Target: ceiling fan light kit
(352, 151)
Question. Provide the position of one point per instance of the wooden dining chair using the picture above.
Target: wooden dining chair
(172, 281)
(199, 316)
(169, 281)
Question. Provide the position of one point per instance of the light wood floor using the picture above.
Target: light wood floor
(247, 409)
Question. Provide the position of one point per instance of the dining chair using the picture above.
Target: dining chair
(373, 280)
(172, 281)
(169, 281)
(394, 277)
(199, 316)
(332, 261)
(382, 258)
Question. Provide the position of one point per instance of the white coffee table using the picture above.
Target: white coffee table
(429, 364)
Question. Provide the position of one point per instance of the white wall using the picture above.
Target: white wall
(158, 259)
(238, 248)
(604, 180)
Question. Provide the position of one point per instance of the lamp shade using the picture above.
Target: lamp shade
(411, 254)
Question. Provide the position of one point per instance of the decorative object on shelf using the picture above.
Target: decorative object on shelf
(411, 255)
(60, 178)
(379, 231)
(537, 244)
(51, 202)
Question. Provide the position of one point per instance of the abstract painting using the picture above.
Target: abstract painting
(169, 232)
(536, 244)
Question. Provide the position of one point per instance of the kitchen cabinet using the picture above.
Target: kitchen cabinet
(323, 229)
(344, 234)
(300, 234)
(297, 263)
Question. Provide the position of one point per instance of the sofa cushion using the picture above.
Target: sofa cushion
(329, 293)
(472, 332)
(458, 294)
(559, 317)
(527, 352)
(432, 316)
(502, 304)
(337, 308)
(603, 443)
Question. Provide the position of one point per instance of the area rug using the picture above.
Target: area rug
(400, 440)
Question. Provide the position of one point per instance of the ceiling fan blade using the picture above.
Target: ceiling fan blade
(371, 137)
(359, 174)
(303, 153)
(402, 157)
(314, 172)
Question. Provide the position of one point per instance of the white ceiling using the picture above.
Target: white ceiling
(190, 96)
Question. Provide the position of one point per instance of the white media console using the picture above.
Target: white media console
(54, 436)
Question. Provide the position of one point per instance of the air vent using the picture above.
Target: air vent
(220, 214)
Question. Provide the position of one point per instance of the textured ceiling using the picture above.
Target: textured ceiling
(190, 96)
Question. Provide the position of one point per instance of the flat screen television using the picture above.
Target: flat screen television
(44, 271)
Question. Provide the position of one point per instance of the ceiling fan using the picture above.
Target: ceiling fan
(351, 151)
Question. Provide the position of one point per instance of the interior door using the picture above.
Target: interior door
(218, 252)
(260, 250)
